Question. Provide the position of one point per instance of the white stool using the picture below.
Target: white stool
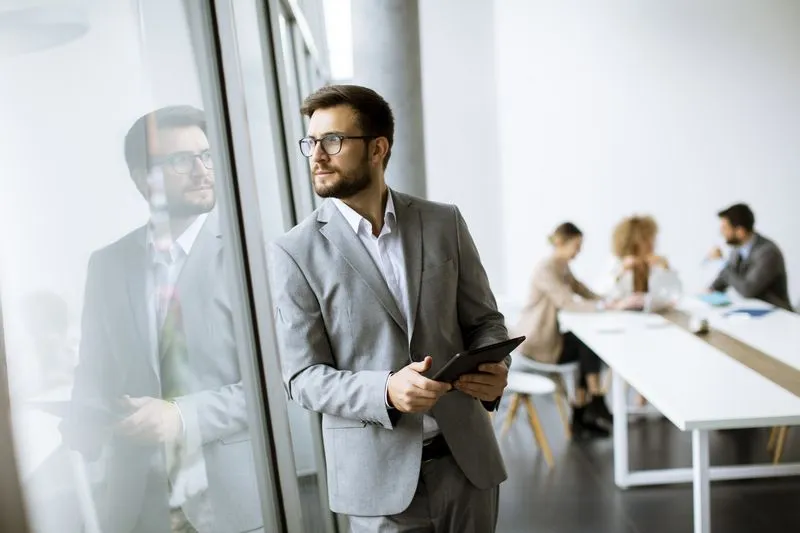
(523, 385)
(561, 374)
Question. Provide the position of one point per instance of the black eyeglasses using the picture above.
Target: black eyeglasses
(331, 143)
(182, 162)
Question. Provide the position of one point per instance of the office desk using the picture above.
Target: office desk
(697, 387)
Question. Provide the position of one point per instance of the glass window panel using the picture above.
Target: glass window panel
(128, 405)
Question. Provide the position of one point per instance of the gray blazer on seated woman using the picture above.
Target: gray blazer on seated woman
(554, 288)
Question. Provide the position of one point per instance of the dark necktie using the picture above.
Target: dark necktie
(736, 262)
(172, 349)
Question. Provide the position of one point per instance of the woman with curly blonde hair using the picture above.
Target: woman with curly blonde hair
(636, 263)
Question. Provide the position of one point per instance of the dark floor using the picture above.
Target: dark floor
(579, 495)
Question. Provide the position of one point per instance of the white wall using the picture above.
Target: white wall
(670, 108)
(458, 93)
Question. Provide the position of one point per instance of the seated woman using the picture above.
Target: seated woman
(637, 268)
(554, 288)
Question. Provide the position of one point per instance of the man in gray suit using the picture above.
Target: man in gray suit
(158, 394)
(373, 292)
(755, 268)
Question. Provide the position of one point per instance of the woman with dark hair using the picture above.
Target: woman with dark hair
(553, 289)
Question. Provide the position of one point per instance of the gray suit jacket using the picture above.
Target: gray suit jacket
(115, 360)
(762, 275)
(340, 334)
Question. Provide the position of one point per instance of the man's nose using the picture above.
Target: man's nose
(198, 168)
(319, 154)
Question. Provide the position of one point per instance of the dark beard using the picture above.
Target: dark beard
(189, 209)
(733, 241)
(348, 185)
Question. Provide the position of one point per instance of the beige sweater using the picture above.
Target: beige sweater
(553, 288)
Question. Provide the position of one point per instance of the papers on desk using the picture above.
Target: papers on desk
(717, 299)
(749, 312)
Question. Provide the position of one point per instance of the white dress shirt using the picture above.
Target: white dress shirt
(386, 250)
(167, 259)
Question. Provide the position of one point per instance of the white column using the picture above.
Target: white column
(386, 58)
(701, 479)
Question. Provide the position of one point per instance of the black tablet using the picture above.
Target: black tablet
(469, 361)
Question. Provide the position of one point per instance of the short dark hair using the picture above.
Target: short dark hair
(740, 216)
(136, 140)
(565, 232)
(373, 114)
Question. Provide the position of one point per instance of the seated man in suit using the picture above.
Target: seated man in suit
(157, 391)
(755, 268)
(374, 292)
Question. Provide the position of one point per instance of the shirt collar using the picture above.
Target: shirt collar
(745, 249)
(186, 239)
(356, 221)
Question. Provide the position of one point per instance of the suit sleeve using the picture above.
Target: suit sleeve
(582, 290)
(721, 284)
(765, 268)
(308, 363)
(481, 323)
(575, 287)
(88, 424)
(211, 415)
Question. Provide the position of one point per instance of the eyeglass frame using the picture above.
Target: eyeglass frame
(329, 136)
(169, 159)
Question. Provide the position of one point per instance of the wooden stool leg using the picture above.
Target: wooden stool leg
(779, 447)
(512, 411)
(538, 433)
(560, 397)
(607, 381)
(773, 438)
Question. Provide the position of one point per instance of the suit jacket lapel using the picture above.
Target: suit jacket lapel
(344, 239)
(137, 268)
(410, 223)
(199, 264)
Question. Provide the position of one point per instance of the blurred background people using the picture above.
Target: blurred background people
(554, 288)
(755, 267)
(47, 320)
(637, 268)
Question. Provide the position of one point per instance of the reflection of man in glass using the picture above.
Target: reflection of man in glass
(158, 385)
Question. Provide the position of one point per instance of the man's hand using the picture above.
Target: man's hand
(714, 254)
(410, 392)
(152, 420)
(632, 301)
(629, 262)
(658, 261)
(486, 385)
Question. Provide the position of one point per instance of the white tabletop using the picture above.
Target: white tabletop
(777, 334)
(692, 383)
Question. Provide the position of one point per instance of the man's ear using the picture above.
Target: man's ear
(379, 150)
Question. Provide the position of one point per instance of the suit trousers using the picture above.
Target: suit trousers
(444, 502)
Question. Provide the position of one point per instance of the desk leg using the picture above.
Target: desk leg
(620, 406)
(702, 487)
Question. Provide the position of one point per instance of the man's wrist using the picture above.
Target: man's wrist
(177, 407)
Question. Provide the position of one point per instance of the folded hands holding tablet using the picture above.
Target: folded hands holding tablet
(409, 391)
(481, 373)
(486, 385)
